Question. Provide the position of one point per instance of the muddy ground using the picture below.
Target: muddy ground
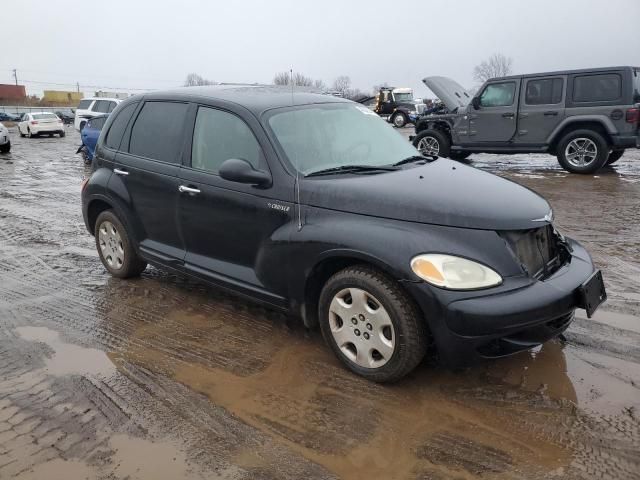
(164, 378)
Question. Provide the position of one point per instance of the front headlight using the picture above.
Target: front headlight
(452, 272)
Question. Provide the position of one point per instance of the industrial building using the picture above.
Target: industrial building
(12, 92)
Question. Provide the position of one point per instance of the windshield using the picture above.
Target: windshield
(317, 137)
(403, 97)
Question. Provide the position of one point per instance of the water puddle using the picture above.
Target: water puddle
(68, 359)
(123, 457)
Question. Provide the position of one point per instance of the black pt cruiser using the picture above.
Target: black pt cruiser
(315, 206)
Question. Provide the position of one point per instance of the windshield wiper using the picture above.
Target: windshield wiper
(416, 158)
(350, 169)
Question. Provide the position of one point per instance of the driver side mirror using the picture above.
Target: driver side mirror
(241, 171)
(476, 103)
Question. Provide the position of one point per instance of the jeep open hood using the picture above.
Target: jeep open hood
(443, 192)
(450, 92)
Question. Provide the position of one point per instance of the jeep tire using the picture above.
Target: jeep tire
(582, 151)
(433, 142)
(614, 156)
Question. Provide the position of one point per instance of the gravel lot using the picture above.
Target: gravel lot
(164, 378)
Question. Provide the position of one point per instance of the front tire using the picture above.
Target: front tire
(371, 324)
(615, 156)
(399, 120)
(582, 151)
(433, 142)
(6, 148)
(114, 246)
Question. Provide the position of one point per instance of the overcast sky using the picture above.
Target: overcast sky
(155, 44)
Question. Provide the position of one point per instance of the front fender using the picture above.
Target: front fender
(388, 245)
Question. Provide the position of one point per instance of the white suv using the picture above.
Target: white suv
(90, 107)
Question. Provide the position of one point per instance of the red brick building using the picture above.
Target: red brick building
(12, 92)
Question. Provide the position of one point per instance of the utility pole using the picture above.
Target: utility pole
(78, 87)
(15, 75)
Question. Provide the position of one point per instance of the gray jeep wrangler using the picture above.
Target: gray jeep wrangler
(585, 117)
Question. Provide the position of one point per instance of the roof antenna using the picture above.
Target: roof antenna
(297, 186)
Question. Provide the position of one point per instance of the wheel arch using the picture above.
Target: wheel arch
(603, 126)
(327, 265)
(438, 125)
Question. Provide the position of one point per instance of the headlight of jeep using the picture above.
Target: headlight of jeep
(453, 272)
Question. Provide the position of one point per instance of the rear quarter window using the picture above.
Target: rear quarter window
(597, 88)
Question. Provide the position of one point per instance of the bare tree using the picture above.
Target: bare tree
(193, 79)
(299, 79)
(319, 84)
(342, 84)
(497, 65)
(282, 78)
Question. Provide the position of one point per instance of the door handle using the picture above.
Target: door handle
(185, 189)
(117, 171)
(508, 115)
(550, 114)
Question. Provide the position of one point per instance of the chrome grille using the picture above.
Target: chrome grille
(536, 249)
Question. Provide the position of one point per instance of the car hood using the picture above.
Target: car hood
(450, 92)
(443, 192)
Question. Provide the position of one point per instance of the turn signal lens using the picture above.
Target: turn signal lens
(452, 272)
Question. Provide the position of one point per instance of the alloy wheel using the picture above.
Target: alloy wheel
(581, 152)
(362, 328)
(111, 245)
(429, 146)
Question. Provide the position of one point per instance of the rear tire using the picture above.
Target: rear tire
(399, 120)
(115, 248)
(614, 156)
(582, 151)
(61, 133)
(6, 148)
(433, 142)
(29, 134)
(383, 336)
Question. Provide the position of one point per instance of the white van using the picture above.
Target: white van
(90, 107)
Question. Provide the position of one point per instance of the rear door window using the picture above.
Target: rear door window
(84, 104)
(544, 91)
(119, 125)
(157, 131)
(101, 106)
(219, 136)
(498, 94)
(597, 88)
